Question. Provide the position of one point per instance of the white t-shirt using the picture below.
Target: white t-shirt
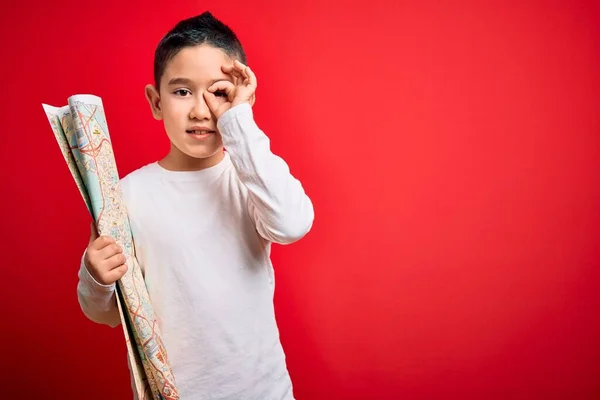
(203, 240)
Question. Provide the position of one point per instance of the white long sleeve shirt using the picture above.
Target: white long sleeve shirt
(203, 241)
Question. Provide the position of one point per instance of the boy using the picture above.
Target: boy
(203, 220)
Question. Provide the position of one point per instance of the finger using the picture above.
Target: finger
(116, 273)
(251, 77)
(211, 101)
(237, 76)
(238, 70)
(109, 251)
(222, 86)
(231, 70)
(102, 242)
(114, 262)
(241, 68)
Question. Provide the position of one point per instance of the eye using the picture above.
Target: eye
(220, 93)
(182, 92)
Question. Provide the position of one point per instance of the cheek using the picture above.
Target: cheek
(174, 111)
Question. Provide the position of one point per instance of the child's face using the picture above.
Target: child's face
(181, 104)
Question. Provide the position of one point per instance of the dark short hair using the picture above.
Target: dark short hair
(194, 31)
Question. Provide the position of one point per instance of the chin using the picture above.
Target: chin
(203, 154)
(202, 151)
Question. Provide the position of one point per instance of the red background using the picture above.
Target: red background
(451, 150)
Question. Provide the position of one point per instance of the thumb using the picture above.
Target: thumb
(93, 232)
(211, 101)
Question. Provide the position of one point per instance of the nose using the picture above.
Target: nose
(200, 109)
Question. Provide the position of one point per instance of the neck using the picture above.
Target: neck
(178, 161)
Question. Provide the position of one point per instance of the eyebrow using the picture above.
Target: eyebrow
(180, 81)
(189, 82)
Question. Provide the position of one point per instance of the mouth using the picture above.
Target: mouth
(199, 131)
(200, 134)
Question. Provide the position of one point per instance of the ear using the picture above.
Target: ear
(153, 98)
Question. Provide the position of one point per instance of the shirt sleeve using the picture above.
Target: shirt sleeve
(277, 202)
(98, 302)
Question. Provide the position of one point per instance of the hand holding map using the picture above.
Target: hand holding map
(82, 133)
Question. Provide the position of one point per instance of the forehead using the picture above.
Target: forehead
(198, 63)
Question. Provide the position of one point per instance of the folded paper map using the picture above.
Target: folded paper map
(82, 134)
